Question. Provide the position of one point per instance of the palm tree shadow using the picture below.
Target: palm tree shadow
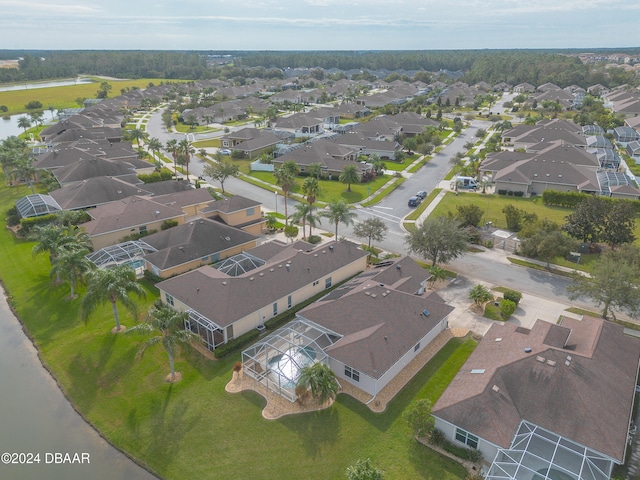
(315, 430)
(169, 424)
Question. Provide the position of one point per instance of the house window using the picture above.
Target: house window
(251, 211)
(466, 438)
(289, 301)
(316, 282)
(351, 373)
(169, 299)
(327, 282)
(417, 347)
(275, 309)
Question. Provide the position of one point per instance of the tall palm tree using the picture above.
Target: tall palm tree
(311, 189)
(56, 239)
(286, 180)
(24, 122)
(304, 214)
(349, 175)
(111, 285)
(169, 324)
(155, 145)
(139, 134)
(72, 265)
(321, 380)
(187, 150)
(339, 212)
(23, 169)
(172, 146)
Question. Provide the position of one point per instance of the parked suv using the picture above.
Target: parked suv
(414, 201)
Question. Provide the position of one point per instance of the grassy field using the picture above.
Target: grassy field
(195, 429)
(64, 97)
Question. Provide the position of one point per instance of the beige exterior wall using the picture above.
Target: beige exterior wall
(242, 216)
(514, 187)
(193, 210)
(112, 238)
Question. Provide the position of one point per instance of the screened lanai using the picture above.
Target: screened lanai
(538, 454)
(239, 264)
(277, 361)
(131, 253)
(36, 205)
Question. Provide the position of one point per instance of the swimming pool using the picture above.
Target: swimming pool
(288, 366)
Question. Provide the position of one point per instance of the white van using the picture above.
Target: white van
(466, 182)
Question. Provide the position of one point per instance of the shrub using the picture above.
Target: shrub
(237, 366)
(33, 104)
(236, 343)
(518, 194)
(313, 239)
(512, 295)
(167, 224)
(488, 244)
(436, 437)
(27, 224)
(502, 192)
(507, 307)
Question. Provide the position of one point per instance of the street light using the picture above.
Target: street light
(276, 202)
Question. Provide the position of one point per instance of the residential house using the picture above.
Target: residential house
(555, 398)
(244, 291)
(194, 244)
(522, 137)
(300, 124)
(237, 211)
(332, 157)
(252, 142)
(367, 331)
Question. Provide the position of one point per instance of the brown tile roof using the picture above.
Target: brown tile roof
(224, 299)
(584, 393)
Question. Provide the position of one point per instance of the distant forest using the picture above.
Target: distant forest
(492, 66)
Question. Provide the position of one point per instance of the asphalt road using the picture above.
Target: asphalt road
(481, 267)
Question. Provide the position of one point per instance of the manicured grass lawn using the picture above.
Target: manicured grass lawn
(332, 189)
(64, 97)
(195, 429)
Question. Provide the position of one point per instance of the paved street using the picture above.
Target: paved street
(490, 267)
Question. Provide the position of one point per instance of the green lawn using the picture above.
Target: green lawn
(65, 97)
(332, 189)
(195, 429)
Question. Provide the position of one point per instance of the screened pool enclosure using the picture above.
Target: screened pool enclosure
(277, 361)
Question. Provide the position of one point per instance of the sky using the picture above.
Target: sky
(317, 24)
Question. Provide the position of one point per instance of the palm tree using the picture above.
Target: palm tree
(138, 134)
(315, 170)
(339, 212)
(169, 323)
(311, 189)
(23, 169)
(110, 286)
(56, 239)
(155, 145)
(480, 295)
(72, 265)
(286, 180)
(305, 214)
(187, 150)
(172, 146)
(349, 175)
(437, 274)
(36, 117)
(321, 380)
(24, 122)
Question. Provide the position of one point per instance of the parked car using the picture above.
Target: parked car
(414, 201)
(422, 194)
(225, 151)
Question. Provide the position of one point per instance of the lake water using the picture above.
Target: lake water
(35, 418)
(58, 83)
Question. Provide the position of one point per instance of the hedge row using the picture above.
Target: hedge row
(556, 198)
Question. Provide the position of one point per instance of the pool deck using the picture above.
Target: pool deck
(278, 406)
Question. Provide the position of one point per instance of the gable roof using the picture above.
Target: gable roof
(378, 323)
(224, 299)
(582, 392)
(194, 240)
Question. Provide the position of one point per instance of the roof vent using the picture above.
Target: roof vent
(495, 388)
(477, 370)
(398, 266)
(331, 247)
(499, 339)
(551, 363)
(252, 278)
(540, 359)
(224, 282)
(261, 274)
(228, 239)
(425, 312)
(288, 267)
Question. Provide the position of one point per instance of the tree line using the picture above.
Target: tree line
(492, 66)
